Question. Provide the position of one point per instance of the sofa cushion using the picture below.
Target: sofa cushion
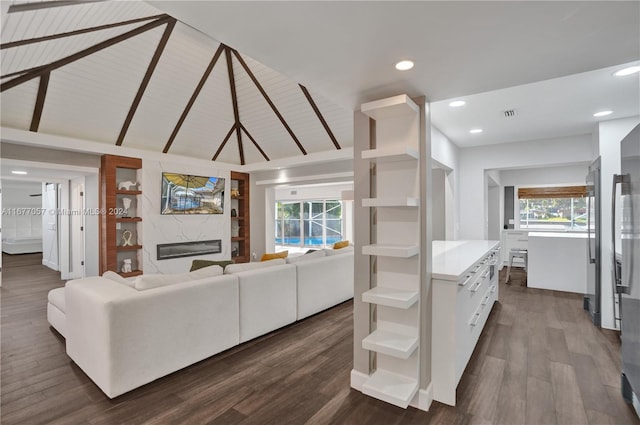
(243, 267)
(275, 255)
(209, 271)
(339, 251)
(198, 264)
(341, 244)
(306, 257)
(56, 297)
(150, 281)
(117, 278)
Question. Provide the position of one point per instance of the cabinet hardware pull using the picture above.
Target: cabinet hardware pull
(475, 289)
(475, 319)
(465, 281)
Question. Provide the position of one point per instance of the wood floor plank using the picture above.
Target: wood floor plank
(594, 393)
(568, 401)
(558, 350)
(540, 406)
(485, 397)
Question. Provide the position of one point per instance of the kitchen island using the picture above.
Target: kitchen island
(465, 286)
(558, 261)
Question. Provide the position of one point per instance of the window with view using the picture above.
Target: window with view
(553, 208)
(316, 223)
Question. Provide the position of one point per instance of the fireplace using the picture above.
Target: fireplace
(188, 249)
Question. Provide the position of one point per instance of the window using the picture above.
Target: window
(553, 208)
(308, 223)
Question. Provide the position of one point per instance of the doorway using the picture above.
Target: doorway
(67, 236)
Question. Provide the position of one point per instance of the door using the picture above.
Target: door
(76, 229)
(50, 226)
(592, 297)
(630, 279)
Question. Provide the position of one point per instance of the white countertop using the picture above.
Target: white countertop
(578, 235)
(451, 259)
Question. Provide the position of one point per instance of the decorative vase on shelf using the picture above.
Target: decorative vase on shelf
(127, 238)
(126, 203)
(126, 266)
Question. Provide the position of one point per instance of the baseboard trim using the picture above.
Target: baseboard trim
(358, 379)
(423, 399)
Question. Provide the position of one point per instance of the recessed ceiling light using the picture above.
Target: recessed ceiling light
(602, 113)
(475, 131)
(457, 103)
(19, 172)
(404, 65)
(627, 71)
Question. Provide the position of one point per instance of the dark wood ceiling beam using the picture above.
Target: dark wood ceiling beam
(193, 98)
(38, 71)
(145, 81)
(42, 94)
(224, 142)
(234, 101)
(77, 32)
(254, 142)
(320, 117)
(26, 7)
(22, 72)
(266, 97)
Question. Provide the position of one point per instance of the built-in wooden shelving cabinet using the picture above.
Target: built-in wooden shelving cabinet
(240, 225)
(120, 218)
(395, 293)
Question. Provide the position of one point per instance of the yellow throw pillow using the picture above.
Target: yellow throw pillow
(281, 254)
(341, 244)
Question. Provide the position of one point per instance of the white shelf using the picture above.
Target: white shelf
(391, 154)
(391, 344)
(390, 202)
(390, 107)
(390, 297)
(401, 251)
(390, 387)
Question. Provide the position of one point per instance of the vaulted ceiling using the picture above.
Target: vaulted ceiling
(122, 73)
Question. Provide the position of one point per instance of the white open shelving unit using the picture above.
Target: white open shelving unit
(394, 292)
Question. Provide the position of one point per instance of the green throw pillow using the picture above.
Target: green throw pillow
(198, 264)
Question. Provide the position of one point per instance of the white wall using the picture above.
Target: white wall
(474, 161)
(610, 133)
(160, 229)
(446, 155)
(543, 176)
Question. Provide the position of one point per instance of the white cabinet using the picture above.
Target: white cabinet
(394, 294)
(465, 286)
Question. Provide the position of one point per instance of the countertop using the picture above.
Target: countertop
(578, 235)
(451, 259)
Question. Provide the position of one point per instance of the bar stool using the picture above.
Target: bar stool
(516, 253)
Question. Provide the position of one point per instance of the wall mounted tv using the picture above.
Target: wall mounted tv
(188, 194)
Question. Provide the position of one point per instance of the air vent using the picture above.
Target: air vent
(510, 113)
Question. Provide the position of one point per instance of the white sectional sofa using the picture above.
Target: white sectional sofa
(124, 334)
(323, 280)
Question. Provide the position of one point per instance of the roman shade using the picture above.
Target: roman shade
(552, 192)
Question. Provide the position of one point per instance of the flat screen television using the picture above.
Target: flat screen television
(188, 194)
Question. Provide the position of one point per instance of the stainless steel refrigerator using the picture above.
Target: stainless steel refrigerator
(629, 280)
(592, 297)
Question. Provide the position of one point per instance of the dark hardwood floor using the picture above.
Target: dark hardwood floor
(538, 361)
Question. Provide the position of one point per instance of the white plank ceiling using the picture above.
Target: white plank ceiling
(91, 97)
